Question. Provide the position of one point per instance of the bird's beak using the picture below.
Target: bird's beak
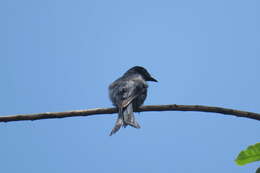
(152, 79)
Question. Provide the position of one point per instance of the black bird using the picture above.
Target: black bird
(128, 93)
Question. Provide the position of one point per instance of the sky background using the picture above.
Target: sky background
(60, 55)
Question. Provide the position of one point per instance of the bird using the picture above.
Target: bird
(128, 93)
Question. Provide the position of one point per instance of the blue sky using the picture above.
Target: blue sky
(62, 55)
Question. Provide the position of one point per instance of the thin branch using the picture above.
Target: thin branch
(88, 112)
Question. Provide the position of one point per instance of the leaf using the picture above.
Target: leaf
(251, 154)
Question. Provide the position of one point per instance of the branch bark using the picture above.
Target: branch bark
(88, 112)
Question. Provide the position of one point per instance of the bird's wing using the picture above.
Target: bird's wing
(127, 101)
(129, 91)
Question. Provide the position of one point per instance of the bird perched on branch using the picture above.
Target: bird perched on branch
(128, 93)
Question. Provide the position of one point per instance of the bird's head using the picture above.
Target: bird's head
(142, 71)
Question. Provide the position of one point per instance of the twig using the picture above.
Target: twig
(88, 112)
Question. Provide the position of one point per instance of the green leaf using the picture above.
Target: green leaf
(251, 154)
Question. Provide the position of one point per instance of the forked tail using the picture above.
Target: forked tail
(125, 117)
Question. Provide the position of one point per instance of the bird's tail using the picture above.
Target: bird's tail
(129, 118)
(118, 125)
(125, 117)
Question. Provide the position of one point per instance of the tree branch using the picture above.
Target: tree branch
(88, 112)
